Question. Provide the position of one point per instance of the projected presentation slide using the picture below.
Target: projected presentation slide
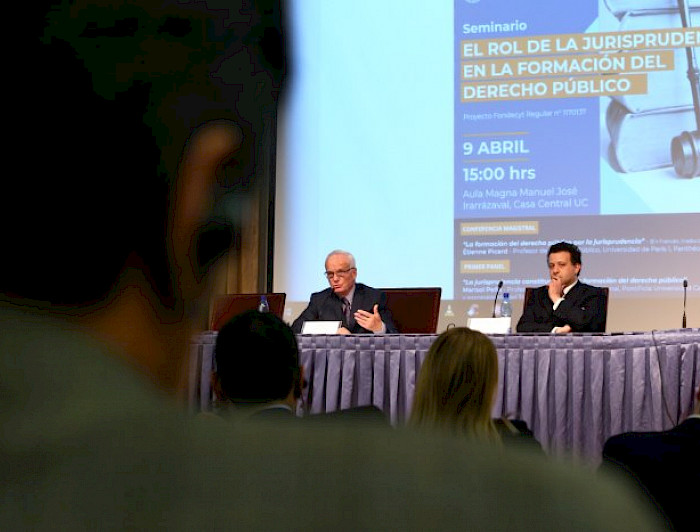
(563, 128)
(449, 143)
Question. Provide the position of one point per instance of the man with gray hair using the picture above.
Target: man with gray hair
(360, 308)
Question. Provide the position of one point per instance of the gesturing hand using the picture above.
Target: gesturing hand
(370, 321)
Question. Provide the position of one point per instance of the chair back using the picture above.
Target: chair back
(230, 305)
(414, 310)
(606, 293)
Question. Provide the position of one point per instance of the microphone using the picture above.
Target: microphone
(685, 289)
(500, 285)
(685, 148)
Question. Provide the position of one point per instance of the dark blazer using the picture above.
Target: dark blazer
(666, 465)
(517, 434)
(370, 415)
(274, 413)
(326, 306)
(583, 309)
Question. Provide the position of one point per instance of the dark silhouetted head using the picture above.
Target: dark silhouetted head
(257, 359)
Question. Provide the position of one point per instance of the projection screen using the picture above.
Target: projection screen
(450, 143)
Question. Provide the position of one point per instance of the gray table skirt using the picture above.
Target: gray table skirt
(574, 391)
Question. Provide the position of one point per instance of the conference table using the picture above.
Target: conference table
(574, 391)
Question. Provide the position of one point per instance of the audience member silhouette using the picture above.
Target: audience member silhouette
(456, 387)
(258, 374)
(257, 366)
(666, 465)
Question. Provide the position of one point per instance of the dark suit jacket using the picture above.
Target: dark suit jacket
(666, 465)
(274, 414)
(583, 309)
(326, 305)
(370, 415)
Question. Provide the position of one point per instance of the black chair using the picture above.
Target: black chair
(414, 310)
(230, 305)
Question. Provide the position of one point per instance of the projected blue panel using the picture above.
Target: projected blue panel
(523, 146)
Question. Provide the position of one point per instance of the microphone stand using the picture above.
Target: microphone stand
(685, 290)
(495, 299)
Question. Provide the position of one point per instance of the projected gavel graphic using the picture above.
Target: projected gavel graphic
(685, 148)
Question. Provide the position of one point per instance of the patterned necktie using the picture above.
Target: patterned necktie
(346, 311)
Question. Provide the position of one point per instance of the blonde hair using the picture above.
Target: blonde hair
(456, 385)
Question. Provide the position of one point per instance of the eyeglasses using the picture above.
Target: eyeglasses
(339, 273)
